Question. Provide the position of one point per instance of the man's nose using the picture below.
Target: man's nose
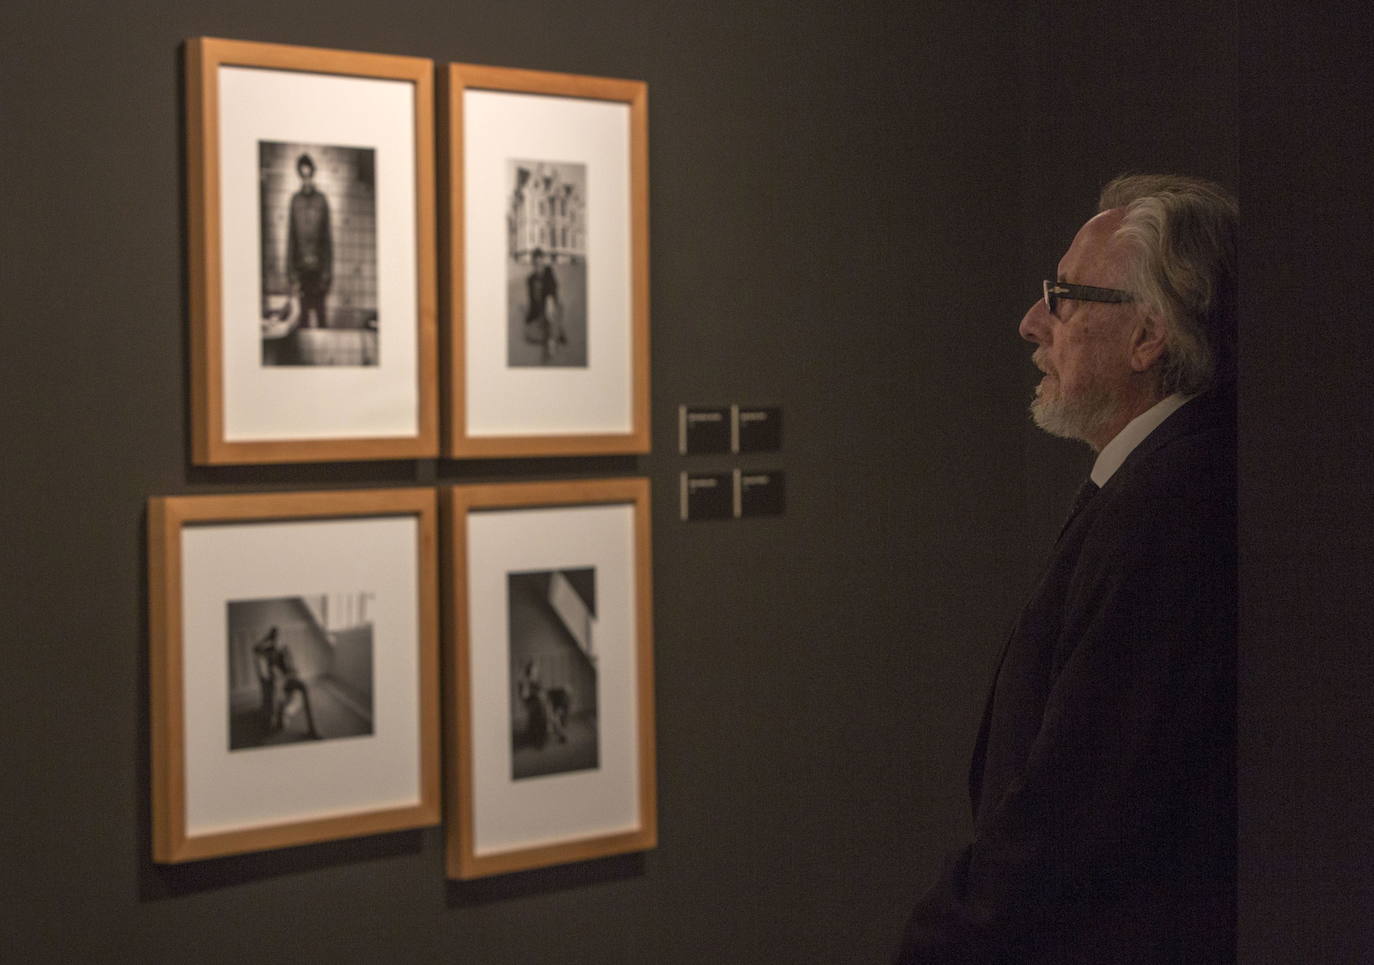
(1033, 323)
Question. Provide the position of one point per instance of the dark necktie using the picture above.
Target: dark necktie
(1085, 493)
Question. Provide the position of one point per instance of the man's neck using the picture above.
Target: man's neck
(1140, 399)
(1133, 433)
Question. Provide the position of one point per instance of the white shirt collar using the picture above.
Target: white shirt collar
(1114, 453)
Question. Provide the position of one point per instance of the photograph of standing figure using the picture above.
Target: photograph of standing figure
(546, 264)
(309, 246)
(318, 223)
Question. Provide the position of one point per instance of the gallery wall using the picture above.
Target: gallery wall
(829, 197)
(1307, 453)
(850, 210)
(1113, 88)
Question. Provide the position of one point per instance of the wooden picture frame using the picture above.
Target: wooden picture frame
(337, 591)
(546, 177)
(550, 672)
(313, 316)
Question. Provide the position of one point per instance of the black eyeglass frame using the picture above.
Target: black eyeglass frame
(1083, 293)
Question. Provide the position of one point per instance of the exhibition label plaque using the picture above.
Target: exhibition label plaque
(758, 428)
(708, 495)
(760, 493)
(703, 429)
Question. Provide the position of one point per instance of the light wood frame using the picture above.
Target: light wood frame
(167, 519)
(209, 445)
(459, 442)
(462, 861)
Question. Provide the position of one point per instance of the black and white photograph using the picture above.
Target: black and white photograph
(553, 672)
(547, 178)
(318, 227)
(550, 673)
(300, 669)
(311, 233)
(294, 661)
(546, 264)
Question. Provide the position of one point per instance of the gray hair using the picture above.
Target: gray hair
(1182, 232)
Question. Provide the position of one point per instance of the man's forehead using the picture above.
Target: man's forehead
(1095, 255)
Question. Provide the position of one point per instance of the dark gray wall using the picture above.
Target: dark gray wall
(851, 208)
(831, 199)
(1307, 519)
(1112, 88)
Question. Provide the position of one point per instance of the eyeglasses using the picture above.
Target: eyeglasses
(1055, 290)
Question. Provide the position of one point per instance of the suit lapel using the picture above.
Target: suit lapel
(1205, 412)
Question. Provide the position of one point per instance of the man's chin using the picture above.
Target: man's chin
(1045, 414)
(1046, 406)
(1062, 418)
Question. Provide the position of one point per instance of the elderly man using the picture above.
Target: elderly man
(1103, 776)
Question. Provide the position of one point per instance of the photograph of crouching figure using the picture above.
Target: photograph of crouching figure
(543, 310)
(546, 708)
(300, 669)
(553, 672)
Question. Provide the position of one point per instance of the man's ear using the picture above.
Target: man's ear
(1149, 339)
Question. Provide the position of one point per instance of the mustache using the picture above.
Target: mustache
(1040, 361)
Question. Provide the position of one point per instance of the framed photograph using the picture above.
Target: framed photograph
(294, 668)
(548, 263)
(312, 254)
(551, 674)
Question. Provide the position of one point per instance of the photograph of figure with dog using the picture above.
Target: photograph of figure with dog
(553, 674)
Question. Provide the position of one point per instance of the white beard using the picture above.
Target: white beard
(1083, 417)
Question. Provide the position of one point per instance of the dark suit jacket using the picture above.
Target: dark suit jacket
(1103, 780)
